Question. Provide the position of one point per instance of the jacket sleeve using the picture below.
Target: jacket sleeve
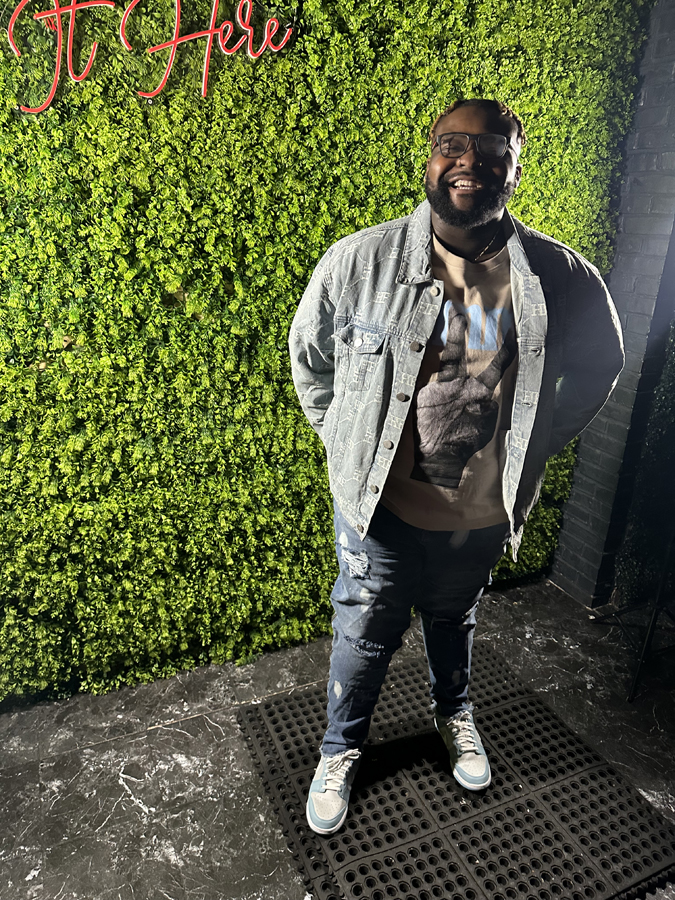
(593, 354)
(311, 345)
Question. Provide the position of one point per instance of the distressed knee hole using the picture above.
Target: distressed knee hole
(369, 649)
(337, 689)
(357, 563)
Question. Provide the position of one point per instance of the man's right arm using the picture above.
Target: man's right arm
(311, 346)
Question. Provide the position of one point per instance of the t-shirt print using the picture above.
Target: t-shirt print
(456, 414)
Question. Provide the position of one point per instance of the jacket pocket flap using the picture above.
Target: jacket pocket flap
(360, 339)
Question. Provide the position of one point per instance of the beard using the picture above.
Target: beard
(485, 211)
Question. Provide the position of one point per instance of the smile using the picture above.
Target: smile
(467, 185)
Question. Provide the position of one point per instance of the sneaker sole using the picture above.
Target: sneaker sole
(332, 830)
(472, 787)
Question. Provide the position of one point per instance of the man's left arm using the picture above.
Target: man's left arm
(593, 354)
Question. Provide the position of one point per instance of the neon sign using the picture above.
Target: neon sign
(53, 19)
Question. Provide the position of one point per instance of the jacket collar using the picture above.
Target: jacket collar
(415, 265)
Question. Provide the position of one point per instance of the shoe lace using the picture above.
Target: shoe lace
(464, 732)
(337, 768)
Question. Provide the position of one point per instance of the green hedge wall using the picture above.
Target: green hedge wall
(162, 501)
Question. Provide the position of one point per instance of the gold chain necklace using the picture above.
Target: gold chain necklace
(476, 258)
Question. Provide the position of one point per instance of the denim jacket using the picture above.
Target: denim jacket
(358, 338)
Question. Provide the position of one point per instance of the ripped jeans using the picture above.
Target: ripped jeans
(397, 566)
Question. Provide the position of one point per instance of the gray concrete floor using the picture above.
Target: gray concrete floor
(149, 793)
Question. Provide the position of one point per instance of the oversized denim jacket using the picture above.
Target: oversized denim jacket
(358, 338)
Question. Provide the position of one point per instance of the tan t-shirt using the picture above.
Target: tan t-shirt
(446, 474)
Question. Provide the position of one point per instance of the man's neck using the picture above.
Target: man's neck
(480, 243)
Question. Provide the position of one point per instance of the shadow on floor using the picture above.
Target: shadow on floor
(149, 792)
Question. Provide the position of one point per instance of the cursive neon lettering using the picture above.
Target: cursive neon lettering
(54, 22)
(224, 32)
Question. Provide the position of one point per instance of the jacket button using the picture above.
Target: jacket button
(374, 488)
(435, 291)
(359, 528)
(416, 346)
(388, 445)
(358, 342)
(402, 397)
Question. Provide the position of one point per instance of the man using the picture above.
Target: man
(442, 358)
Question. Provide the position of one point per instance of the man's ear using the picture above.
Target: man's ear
(518, 174)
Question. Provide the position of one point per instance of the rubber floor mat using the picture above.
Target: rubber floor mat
(557, 822)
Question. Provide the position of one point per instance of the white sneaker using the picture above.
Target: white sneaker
(470, 764)
(329, 791)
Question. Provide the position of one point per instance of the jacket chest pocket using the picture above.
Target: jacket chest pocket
(360, 348)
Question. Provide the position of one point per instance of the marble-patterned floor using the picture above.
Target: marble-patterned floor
(149, 793)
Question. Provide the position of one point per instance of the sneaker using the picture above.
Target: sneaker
(470, 764)
(329, 791)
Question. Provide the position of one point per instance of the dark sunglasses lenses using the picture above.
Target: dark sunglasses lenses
(489, 145)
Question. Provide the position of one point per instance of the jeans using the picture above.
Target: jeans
(397, 566)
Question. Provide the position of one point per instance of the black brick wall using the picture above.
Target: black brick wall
(642, 284)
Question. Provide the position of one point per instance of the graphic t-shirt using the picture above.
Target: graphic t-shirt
(446, 474)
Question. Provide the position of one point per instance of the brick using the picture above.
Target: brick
(655, 246)
(668, 160)
(657, 71)
(605, 495)
(652, 224)
(584, 572)
(663, 203)
(650, 117)
(570, 554)
(648, 285)
(594, 491)
(634, 359)
(628, 380)
(653, 183)
(657, 94)
(624, 395)
(639, 263)
(582, 491)
(606, 473)
(645, 306)
(638, 323)
(582, 594)
(635, 344)
(592, 555)
(570, 550)
(622, 282)
(642, 162)
(567, 580)
(658, 139)
(636, 202)
(620, 299)
(605, 443)
(617, 430)
(615, 411)
(576, 547)
(629, 243)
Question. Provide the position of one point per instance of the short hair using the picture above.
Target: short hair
(486, 103)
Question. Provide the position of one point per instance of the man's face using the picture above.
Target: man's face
(469, 190)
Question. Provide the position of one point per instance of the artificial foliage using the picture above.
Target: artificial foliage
(162, 501)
